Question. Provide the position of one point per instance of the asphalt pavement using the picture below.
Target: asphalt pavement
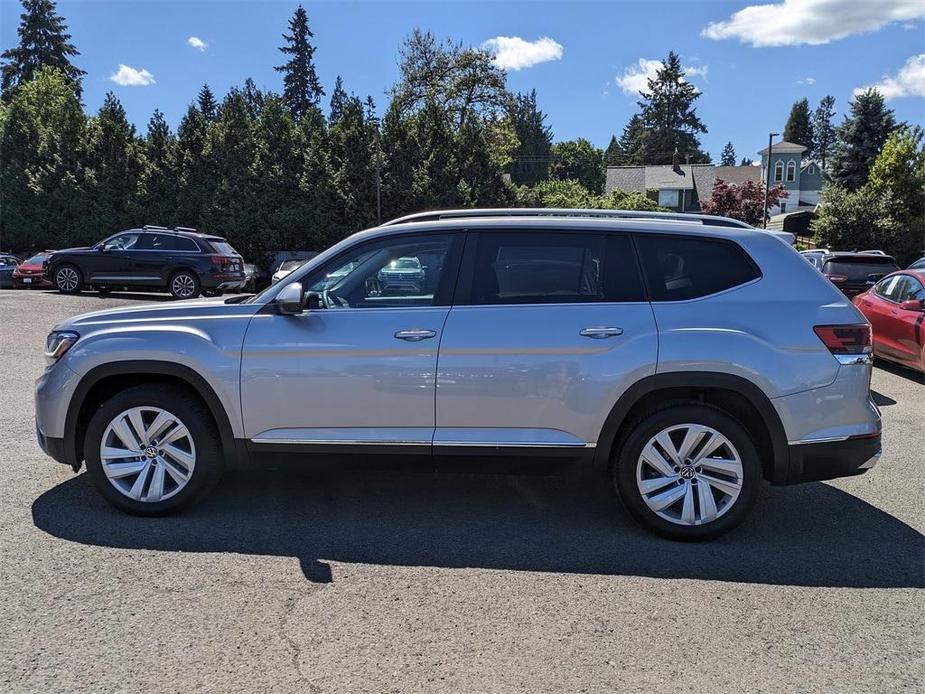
(389, 581)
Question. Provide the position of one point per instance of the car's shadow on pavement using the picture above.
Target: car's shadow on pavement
(810, 535)
(901, 371)
(124, 295)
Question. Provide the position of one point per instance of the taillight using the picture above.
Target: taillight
(845, 339)
(222, 260)
(837, 279)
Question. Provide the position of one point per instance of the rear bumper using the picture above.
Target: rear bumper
(811, 462)
(223, 281)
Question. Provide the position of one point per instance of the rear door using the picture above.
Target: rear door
(547, 330)
(905, 325)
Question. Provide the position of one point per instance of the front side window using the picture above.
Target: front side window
(551, 267)
(679, 268)
(122, 242)
(399, 272)
(888, 287)
(791, 171)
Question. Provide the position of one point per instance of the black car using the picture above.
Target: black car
(8, 263)
(181, 261)
(854, 273)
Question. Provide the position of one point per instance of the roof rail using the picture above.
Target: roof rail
(155, 226)
(185, 229)
(436, 215)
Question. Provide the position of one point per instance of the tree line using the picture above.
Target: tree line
(274, 170)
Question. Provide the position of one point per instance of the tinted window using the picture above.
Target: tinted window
(909, 288)
(686, 268)
(372, 276)
(122, 242)
(541, 267)
(223, 247)
(164, 242)
(859, 268)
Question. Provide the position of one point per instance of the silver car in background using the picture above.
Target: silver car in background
(689, 360)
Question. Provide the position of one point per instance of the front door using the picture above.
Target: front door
(547, 331)
(112, 262)
(359, 367)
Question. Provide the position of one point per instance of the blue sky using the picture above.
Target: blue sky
(750, 62)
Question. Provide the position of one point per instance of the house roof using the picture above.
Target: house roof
(678, 177)
(737, 175)
(784, 147)
(632, 179)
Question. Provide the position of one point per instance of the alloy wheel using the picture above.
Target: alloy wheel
(689, 474)
(148, 454)
(183, 286)
(67, 279)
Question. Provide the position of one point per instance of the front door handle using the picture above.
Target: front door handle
(415, 334)
(600, 333)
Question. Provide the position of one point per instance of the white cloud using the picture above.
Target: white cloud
(807, 80)
(197, 43)
(795, 22)
(130, 77)
(636, 77)
(909, 81)
(515, 53)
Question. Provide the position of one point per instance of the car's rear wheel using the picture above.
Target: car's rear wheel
(68, 280)
(184, 284)
(688, 471)
(152, 449)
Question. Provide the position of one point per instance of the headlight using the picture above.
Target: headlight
(59, 342)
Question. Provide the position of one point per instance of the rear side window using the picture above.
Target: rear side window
(679, 268)
(223, 247)
(553, 267)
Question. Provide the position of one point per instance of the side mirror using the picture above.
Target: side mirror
(289, 300)
(913, 305)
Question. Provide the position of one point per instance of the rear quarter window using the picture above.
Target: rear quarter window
(679, 268)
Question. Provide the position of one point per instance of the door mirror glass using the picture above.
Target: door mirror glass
(289, 300)
(912, 305)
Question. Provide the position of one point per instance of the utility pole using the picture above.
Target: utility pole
(767, 181)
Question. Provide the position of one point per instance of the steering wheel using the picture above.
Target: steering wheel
(330, 299)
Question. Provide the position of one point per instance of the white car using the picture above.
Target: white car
(285, 268)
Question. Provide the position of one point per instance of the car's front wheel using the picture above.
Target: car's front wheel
(688, 471)
(152, 449)
(184, 284)
(68, 280)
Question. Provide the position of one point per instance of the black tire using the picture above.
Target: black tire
(639, 433)
(67, 279)
(212, 292)
(198, 421)
(182, 279)
(102, 289)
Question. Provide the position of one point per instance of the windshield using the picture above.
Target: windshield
(8, 260)
(35, 260)
(291, 264)
(405, 264)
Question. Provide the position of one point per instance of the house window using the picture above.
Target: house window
(791, 171)
(783, 207)
(668, 198)
(779, 171)
(811, 169)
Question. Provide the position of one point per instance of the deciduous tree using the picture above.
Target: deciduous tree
(745, 201)
(581, 161)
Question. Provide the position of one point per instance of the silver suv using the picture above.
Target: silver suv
(691, 359)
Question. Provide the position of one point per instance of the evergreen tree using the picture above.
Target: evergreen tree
(322, 204)
(670, 120)
(481, 182)
(208, 106)
(799, 128)
(745, 162)
(115, 163)
(254, 97)
(823, 130)
(43, 42)
(42, 168)
(860, 138)
(400, 158)
(581, 161)
(728, 157)
(277, 168)
(534, 141)
(613, 155)
(633, 142)
(158, 194)
(338, 101)
(196, 182)
(353, 167)
(229, 156)
(301, 87)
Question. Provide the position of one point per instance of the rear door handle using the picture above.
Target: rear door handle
(600, 333)
(415, 334)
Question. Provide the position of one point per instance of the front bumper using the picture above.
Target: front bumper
(826, 460)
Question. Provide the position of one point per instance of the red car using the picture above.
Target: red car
(895, 308)
(29, 273)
